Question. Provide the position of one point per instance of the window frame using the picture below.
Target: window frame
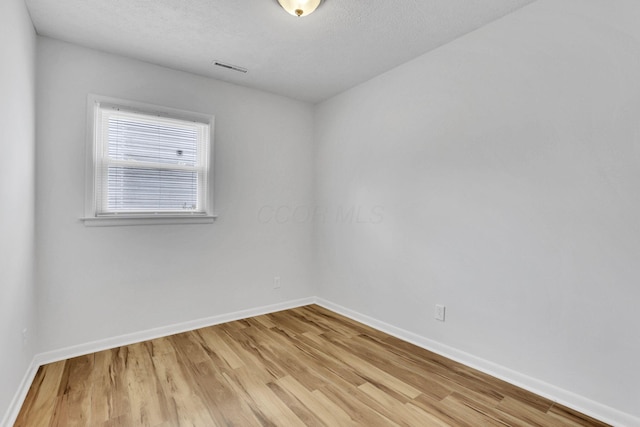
(92, 217)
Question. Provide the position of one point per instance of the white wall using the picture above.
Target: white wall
(102, 282)
(499, 175)
(17, 141)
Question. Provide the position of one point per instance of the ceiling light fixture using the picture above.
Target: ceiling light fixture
(299, 7)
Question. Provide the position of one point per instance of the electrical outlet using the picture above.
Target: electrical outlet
(439, 313)
(276, 282)
(25, 336)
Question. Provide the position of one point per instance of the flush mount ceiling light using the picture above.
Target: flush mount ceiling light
(299, 7)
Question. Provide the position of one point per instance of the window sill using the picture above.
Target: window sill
(123, 220)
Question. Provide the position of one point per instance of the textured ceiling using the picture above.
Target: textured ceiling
(342, 44)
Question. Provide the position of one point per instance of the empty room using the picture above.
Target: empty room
(320, 212)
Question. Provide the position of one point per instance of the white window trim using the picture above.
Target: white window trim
(91, 217)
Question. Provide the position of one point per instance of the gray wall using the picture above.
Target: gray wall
(103, 282)
(17, 139)
(499, 175)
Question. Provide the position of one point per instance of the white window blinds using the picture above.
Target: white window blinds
(146, 164)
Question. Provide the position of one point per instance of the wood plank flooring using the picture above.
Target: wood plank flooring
(301, 367)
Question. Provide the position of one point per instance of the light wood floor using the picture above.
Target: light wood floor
(306, 366)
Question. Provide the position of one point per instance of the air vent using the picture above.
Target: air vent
(229, 66)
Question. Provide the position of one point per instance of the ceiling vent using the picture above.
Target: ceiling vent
(229, 66)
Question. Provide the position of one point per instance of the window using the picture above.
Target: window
(148, 164)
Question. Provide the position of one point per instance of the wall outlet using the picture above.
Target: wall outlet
(25, 336)
(439, 313)
(276, 282)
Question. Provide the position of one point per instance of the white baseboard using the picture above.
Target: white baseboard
(14, 408)
(564, 397)
(149, 334)
(574, 401)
